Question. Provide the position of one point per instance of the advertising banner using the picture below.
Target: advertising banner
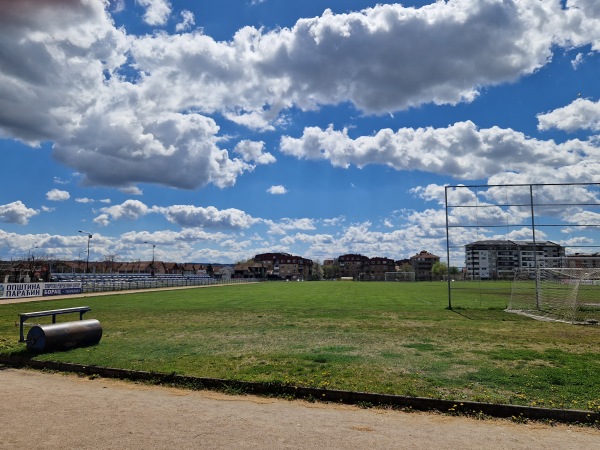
(21, 290)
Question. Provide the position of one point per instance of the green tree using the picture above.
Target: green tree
(406, 267)
(331, 271)
(317, 271)
(439, 270)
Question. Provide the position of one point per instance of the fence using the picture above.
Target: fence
(104, 283)
(493, 231)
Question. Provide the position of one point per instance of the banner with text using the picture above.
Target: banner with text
(20, 290)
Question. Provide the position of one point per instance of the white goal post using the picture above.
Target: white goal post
(565, 294)
(399, 276)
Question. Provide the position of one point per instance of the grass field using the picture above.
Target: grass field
(396, 338)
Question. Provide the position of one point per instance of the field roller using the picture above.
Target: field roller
(65, 335)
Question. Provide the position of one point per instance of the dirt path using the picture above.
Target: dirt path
(51, 411)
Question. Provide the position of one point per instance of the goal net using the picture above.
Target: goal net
(399, 276)
(565, 294)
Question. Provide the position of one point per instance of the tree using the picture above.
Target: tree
(109, 262)
(331, 271)
(406, 267)
(439, 270)
(317, 271)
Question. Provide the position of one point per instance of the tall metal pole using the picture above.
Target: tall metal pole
(535, 263)
(152, 264)
(87, 262)
(448, 249)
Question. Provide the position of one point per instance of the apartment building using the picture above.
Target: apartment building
(285, 266)
(422, 263)
(374, 269)
(498, 259)
(351, 265)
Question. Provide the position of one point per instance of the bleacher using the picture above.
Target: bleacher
(94, 282)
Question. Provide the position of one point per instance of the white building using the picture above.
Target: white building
(495, 259)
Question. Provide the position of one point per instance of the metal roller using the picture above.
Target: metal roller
(61, 336)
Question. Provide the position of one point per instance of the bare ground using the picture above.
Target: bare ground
(51, 411)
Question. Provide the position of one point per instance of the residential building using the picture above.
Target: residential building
(374, 269)
(582, 260)
(252, 269)
(351, 265)
(422, 263)
(285, 266)
(499, 259)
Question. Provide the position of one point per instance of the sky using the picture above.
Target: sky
(212, 131)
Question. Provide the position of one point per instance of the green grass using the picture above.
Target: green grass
(396, 338)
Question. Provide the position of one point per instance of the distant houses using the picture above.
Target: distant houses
(284, 266)
(276, 266)
(268, 266)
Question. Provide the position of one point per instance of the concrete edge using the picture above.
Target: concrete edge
(466, 408)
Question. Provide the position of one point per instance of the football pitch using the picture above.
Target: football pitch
(392, 338)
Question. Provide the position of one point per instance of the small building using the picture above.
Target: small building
(250, 269)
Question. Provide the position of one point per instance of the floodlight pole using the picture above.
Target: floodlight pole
(152, 265)
(87, 262)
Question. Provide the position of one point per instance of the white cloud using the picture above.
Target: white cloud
(312, 239)
(157, 11)
(102, 220)
(58, 180)
(16, 212)
(120, 108)
(335, 222)
(277, 190)
(118, 6)
(460, 150)
(130, 210)
(91, 200)
(57, 195)
(169, 238)
(582, 114)
(581, 24)
(209, 217)
(286, 224)
(131, 190)
(347, 57)
(188, 21)
(252, 151)
(577, 61)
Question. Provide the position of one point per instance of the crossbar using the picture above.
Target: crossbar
(51, 312)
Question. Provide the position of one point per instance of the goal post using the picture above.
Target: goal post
(400, 276)
(565, 294)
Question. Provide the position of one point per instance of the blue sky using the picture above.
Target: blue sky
(219, 130)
